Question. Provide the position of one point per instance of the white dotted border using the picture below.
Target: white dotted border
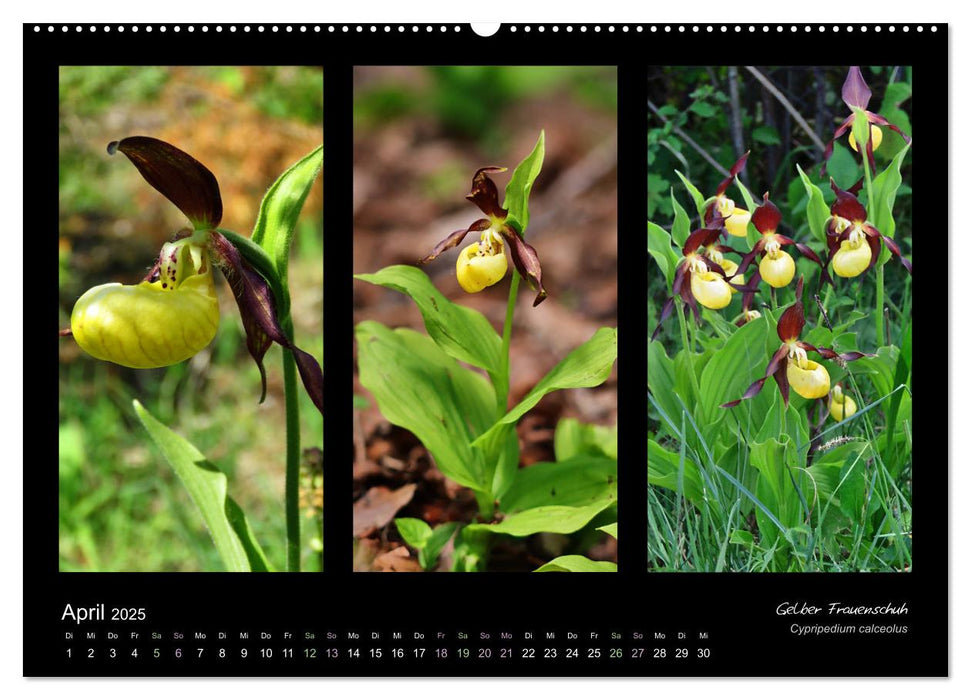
(513, 28)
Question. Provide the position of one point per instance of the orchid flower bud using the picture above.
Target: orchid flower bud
(807, 378)
(481, 264)
(777, 267)
(711, 290)
(841, 406)
(876, 135)
(152, 323)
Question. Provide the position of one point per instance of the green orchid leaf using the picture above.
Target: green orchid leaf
(420, 388)
(578, 481)
(681, 226)
(885, 187)
(414, 531)
(556, 519)
(576, 562)
(609, 529)
(695, 195)
(659, 246)
(750, 205)
(521, 184)
(573, 438)
(461, 332)
(428, 556)
(226, 522)
(280, 210)
(586, 366)
(670, 471)
(816, 210)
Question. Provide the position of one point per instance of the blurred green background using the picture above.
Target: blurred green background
(121, 506)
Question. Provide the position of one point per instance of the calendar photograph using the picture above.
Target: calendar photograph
(485, 304)
(190, 294)
(354, 299)
(780, 418)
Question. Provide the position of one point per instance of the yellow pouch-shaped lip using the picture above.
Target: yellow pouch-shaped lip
(737, 223)
(778, 271)
(850, 261)
(144, 325)
(811, 381)
(710, 290)
(476, 272)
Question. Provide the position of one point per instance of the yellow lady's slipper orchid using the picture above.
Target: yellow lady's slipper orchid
(876, 135)
(856, 95)
(841, 406)
(776, 266)
(484, 263)
(790, 366)
(735, 218)
(151, 324)
(481, 264)
(854, 243)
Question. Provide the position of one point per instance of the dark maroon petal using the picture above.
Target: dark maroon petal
(453, 239)
(856, 93)
(840, 130)
(830, 354)
(526, 260)
(846, 206)
(750, 256)
(258, 311)
(808, 252)
(732, 173)
(766, 217)
(754, 388)
(874, 243)
(791, 322)
(882, 121)
(753, 287)
(484, 193)
(726, 249)
(713, 266)
(781, 377)
(665, 312)
(184, 181)
(680, 277)
(780, 359)
(703, 237)
(894, 248)
(689, 298)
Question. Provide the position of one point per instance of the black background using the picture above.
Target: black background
(737, 611)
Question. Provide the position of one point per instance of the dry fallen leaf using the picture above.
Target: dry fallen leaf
(396, 560)
(375, 508)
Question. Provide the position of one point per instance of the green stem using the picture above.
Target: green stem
(878, 311)
(689, 349)
(502, 393)
(293, 454)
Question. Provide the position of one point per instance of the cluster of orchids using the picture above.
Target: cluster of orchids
(706, 277)
(173, 312)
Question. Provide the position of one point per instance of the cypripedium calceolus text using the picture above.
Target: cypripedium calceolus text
(736, 218)
(791, 366)
(776, 267)
(862, 124)
(699, 279)
(841, 406)
(854, 243)
(173, 313)
(483, 264)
